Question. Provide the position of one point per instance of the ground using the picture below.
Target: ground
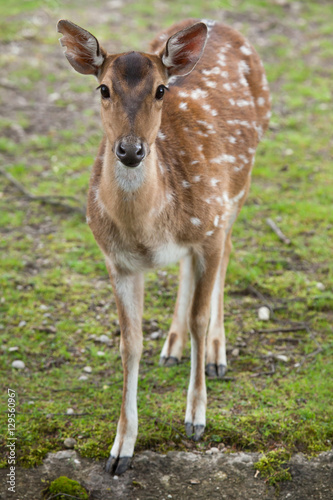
(55, 298)
(181, 476)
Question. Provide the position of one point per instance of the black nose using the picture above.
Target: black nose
(130, 154)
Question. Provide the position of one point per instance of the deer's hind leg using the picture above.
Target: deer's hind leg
(177, 336)
(216, 365)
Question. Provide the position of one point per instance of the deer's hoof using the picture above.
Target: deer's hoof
(170, 361)
(194, 432)
(214, 371)
(117, 465)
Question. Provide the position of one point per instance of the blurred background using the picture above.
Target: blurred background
(59, 333)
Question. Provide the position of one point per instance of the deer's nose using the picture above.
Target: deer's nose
(130, 154)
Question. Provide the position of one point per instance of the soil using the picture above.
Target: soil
(178, 475)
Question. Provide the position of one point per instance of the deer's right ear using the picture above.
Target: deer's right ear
(82, 48)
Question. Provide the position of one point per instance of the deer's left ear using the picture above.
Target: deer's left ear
(184, 49)
(82, 48)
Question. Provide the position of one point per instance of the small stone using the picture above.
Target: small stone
(320, 286)
(100, 353)
(282, 357)
(43, 307)
(194, 481)
(83, 377)
(264, 313)
(18, 364)
(70, 411)
(12, 349)
(214, 450)
(235, 352)
(69, 443)
(104, 339)
(31, 402)
(155, 335)
(87, 369)
(22, 324)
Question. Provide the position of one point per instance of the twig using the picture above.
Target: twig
(62, 495)
(171, 426)
(272, 372)
(278, 231)
(283, 330)
(51, 200)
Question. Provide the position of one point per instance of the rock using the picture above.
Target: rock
(100, 353)
(12, 349)
(264, 313)
(83, 377)
(320, 286)
(18, 364)
(282, 357)
(87, 369)
(22, 324)
(70, 411)
(69, 443)
(156, 335)
(104, 339)
(235, 352)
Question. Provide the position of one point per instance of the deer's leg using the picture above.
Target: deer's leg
(129, 298)
(177, 336)
(204, 275)
(216, 348)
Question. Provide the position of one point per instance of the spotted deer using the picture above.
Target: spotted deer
(182, 124)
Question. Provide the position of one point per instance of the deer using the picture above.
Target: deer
(181, 126)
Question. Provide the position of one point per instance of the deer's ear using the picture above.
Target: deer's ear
(184, 49)
(82, 48)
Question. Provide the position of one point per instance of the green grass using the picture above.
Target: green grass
(54, 291)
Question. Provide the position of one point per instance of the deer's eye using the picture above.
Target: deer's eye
(105, 92)
(160, 92)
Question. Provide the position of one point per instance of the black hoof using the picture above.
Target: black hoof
(194, 431)
(117, 466)
(110, 464)
(170, 361)
(189, 430)
(213, 370)
(198, 432)
(221, 371)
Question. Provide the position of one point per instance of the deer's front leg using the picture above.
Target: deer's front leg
(129, 298)
(205, 270)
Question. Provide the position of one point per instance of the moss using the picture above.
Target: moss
(273, 467)
(68, 487)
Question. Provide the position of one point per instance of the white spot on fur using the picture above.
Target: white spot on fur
(214, 182)
(245, 49)
(196, 178)
(232, 102)
(160, 135)
(199, 94)
(232, 139)
(209, 233)
(261, 101)
(195, 221)
(183, 105)
(224, 158)
(213, 71)
(186, 184)
(216, 220)
(227, 86)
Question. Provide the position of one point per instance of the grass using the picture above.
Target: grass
(56, 300)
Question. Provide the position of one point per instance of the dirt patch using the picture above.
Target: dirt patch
(178, 475)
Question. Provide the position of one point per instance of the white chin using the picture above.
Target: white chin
(129, 179)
